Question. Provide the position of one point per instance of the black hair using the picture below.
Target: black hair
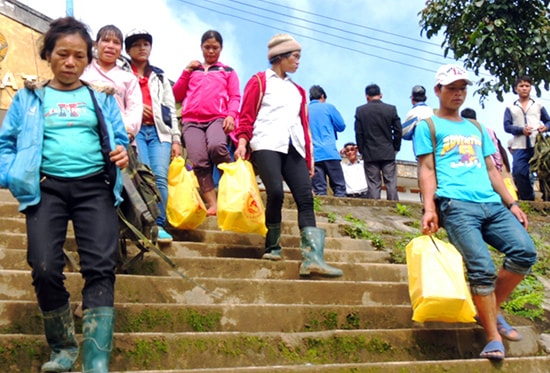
(468, 113)
(523, 78)
(212, 34)
(317, 92)
(109, 30)
(61, 27)
(349, 144)
(279, 57)
(372, 90)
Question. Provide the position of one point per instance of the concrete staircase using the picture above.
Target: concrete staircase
(237, 313)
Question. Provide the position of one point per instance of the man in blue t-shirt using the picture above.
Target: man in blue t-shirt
(464, 193)
(324, 122)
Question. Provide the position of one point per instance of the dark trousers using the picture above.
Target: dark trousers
(522, 176)
(375, 171)
(206, 145)
(273, 167)
(89, 203)
(333, 170)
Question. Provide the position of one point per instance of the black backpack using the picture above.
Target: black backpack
(139, 211)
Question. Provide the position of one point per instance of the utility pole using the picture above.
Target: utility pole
(69, 8)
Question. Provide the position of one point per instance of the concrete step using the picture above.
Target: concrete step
(24, 317)
(535, 364)
(14, 285)
(236, 246)
(199, 267)
(217, 350)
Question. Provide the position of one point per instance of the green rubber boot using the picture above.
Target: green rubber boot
(272, 243)
(97, 343)
(59, 329)
(313, 247)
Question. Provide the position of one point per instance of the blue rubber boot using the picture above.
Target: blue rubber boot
(313, 247)
(97, 343)
(59, 330)
(272, 243)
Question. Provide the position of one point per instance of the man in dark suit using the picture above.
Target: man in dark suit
(378, 134)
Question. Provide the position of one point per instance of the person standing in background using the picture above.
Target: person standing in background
(62, 145)
(378, 134)
(325, 121)
(524, 119)
(157, 141)
(105, 75)
(210, 96)
(354, 172)
(274, 126)
(419, 111)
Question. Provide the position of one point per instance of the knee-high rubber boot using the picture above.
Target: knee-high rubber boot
(272, 243)
(59, 329)
(313, 247)
(97, 343)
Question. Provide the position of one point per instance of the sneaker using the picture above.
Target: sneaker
(164, 236)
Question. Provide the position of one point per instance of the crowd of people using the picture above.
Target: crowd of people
(64, 162)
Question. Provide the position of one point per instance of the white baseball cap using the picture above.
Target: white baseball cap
(448, 74)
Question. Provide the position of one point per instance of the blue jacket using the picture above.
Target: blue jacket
(324, 122)
(21, 140)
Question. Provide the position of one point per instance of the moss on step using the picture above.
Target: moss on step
(154, 319)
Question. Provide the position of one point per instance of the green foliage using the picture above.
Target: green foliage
(358, 230)
(317, 203)
(526, 299)
(331, 216)
(504, 38)
(403, 210)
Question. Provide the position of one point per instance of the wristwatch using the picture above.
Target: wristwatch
(515, 203)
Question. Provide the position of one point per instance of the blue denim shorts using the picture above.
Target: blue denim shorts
(471, 226)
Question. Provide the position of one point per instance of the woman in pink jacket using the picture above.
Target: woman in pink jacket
(210, 96)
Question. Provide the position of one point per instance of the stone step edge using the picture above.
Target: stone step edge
(531, 364)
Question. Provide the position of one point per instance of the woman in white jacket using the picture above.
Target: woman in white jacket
(159, 137)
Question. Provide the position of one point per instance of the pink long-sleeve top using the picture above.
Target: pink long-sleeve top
(208, 94)
(127, 92)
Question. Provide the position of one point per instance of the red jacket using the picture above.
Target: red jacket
(251, 103)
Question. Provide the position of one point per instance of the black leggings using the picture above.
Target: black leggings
(273, 167)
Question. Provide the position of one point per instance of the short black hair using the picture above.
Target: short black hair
(523, 78)
(61, 27)
(316, 92)
(372, 90)
(468, 113)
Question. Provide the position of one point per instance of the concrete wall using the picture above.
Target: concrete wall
(21, 30)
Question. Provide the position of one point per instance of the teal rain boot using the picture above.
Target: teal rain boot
(59, 329)
(313, 246)
(272, 245)
(97, 342)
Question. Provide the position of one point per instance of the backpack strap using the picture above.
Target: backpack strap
(261, 95)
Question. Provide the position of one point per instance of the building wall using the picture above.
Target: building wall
(20, 32)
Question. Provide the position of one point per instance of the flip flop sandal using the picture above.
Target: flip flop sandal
(494, 351)
(506, 330)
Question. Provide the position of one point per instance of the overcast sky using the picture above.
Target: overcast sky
(346, 45)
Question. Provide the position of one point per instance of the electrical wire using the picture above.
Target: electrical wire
(316, 39)
(347, 23)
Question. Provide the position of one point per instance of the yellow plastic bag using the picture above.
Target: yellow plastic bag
(437, 286)
(185, 208)
(240, 207)
(509, 182)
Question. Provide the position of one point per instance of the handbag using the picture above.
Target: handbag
(185, 208)
(437, 285)
(240, 207)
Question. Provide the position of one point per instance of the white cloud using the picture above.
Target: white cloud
(177, 25)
